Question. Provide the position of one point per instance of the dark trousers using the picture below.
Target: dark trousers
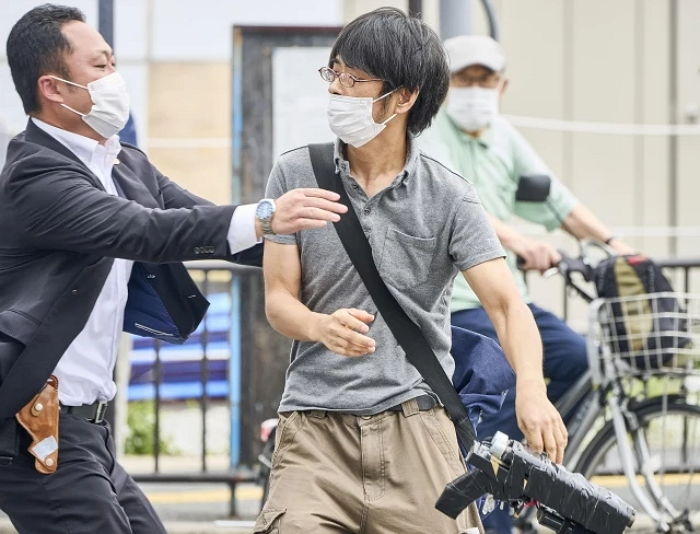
(89, 493)
(564, 362)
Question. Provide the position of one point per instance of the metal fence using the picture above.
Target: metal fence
(209, 367)
(216, 279)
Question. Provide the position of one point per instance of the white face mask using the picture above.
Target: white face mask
(472, 108)
(110, 104)
(350, 118)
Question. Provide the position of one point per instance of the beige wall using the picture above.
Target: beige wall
(580, 60)
(190, 104)
(583, 60)
(602, 61)
(596, 60)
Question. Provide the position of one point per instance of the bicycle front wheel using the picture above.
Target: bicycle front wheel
(669, 428)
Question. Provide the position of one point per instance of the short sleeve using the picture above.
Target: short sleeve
(473, 239)
(561, 200)
(276, 187)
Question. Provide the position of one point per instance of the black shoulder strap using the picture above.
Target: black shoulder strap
(407, 333)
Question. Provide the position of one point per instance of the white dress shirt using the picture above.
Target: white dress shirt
(85, 370)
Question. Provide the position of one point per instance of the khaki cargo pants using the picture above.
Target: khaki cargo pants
(380, 474)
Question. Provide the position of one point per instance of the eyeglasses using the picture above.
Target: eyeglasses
(346, 79)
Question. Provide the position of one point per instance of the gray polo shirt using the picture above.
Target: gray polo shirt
(424, 228)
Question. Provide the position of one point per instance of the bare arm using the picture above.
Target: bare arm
(341, 332)
(583, 224)
(517, 332)
(540, 255)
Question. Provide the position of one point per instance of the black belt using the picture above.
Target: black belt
(95, 412)
(425, 402)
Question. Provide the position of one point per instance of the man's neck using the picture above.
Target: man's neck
(375, 165)
(476, 134)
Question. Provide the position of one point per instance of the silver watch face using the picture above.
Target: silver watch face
(264, 210)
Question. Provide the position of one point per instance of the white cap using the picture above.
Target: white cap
(467, 50)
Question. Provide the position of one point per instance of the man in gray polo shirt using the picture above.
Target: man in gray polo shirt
(363, 444)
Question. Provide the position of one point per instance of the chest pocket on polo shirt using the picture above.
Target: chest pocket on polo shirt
(406, 259)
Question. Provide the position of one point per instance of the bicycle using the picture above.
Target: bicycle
(640, 421)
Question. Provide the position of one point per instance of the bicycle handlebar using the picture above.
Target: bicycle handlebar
(567, 266)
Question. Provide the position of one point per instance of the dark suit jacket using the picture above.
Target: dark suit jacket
(59, 233)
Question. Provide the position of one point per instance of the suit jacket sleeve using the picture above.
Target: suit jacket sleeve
(56, 206)
(175, 196)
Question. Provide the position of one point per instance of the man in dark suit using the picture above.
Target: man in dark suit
(90, 243)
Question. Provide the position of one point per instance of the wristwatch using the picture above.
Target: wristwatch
(264, 213)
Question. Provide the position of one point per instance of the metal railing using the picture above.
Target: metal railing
(219, 279)
(222, 278)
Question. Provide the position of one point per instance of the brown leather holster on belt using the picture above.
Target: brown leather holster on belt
(39, 417)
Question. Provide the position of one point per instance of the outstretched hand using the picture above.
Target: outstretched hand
(301, 209)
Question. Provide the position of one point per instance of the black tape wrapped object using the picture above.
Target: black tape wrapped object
(523, 476)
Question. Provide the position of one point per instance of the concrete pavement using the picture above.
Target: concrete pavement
(173, 527)
(202, 508)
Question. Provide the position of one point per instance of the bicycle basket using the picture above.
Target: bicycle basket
(653, 333)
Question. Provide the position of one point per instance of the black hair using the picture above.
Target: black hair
(404, 52)
(36, 46)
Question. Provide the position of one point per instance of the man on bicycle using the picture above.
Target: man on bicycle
(364, 445)
(469, 136)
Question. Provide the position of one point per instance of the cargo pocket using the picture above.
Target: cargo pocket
(269, 521)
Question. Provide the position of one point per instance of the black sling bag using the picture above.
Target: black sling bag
(409, 335)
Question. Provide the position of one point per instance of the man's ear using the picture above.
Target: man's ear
(405, 100)
(48, 89)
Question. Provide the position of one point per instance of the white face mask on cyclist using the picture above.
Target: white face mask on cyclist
(110, 104)
(350, 118)
(472, 108)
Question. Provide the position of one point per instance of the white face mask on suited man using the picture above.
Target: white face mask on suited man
(110, 104)
(350, 118)
(472, 108)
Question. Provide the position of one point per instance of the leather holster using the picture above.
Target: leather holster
(39, 417)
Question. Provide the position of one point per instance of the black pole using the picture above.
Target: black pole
(490, 13)
(106, 28)
(415, 8)
(106, 20)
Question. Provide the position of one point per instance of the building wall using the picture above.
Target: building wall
(610, 63)
(574, 60)
(175, 56)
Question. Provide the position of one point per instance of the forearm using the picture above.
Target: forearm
(583, 224)
(290, 317)
(518, 335)
(520, 339)
(515, 326)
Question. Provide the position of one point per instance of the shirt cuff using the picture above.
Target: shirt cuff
(241, 233)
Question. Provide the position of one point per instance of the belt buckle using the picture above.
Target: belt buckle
(100, 412)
